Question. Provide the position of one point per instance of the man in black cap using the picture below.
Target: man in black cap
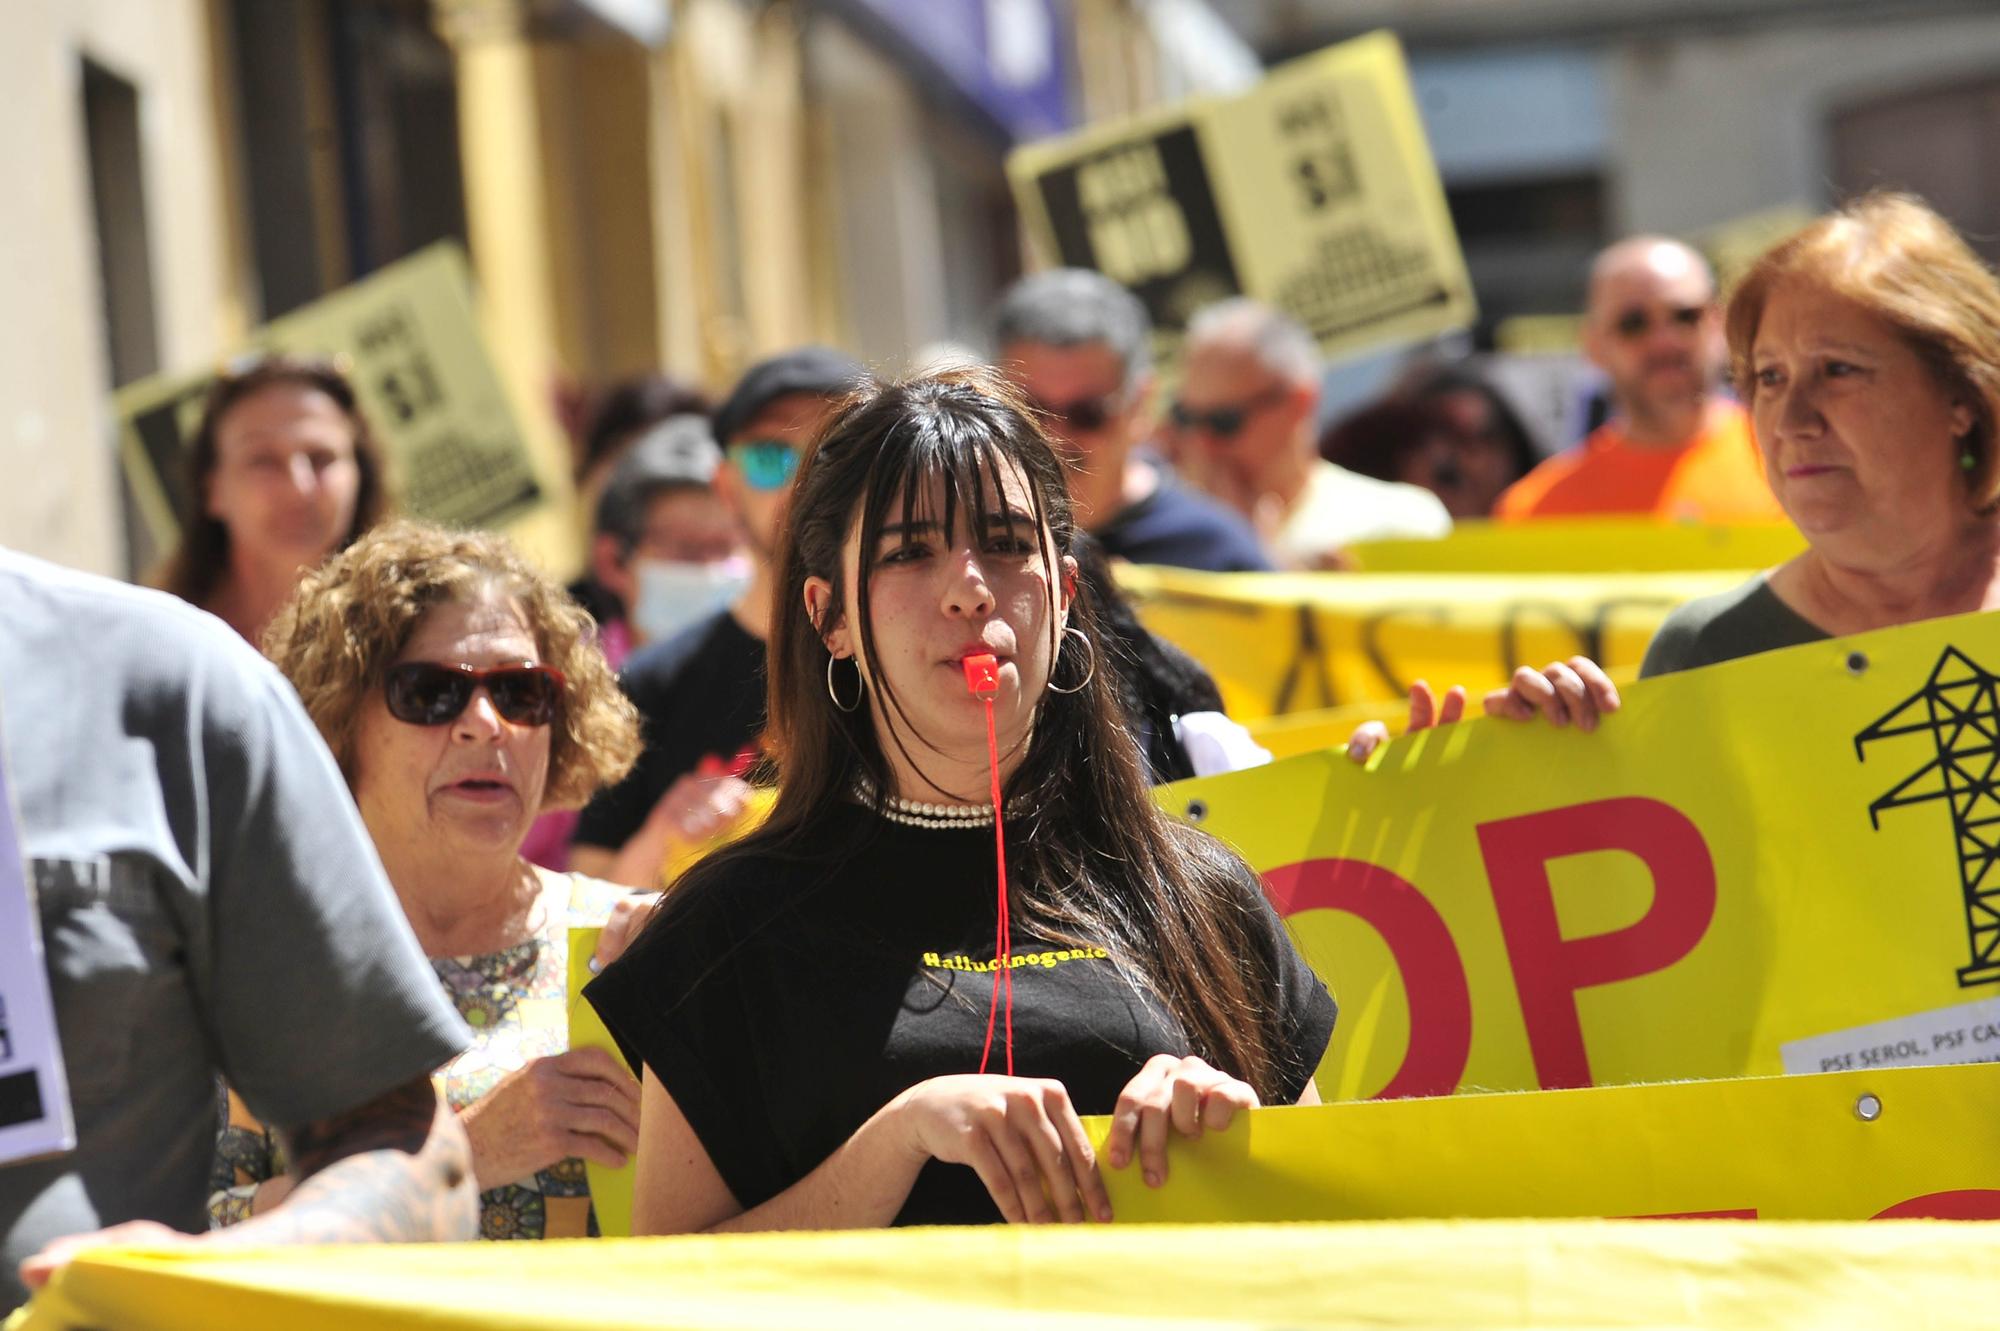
(700, 693)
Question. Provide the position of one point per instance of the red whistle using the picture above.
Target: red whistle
(982, 674)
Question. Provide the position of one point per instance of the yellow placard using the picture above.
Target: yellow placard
(1896, 1143)
(1585, 545)
(1734, 245)
(1778, 864)
(1295, 733)
(408, 338)
(1327, 1277)
(1539, 335)
(610, 1189)
(1296, 642)
(1315, 192)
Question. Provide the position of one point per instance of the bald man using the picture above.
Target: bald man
(1243, 428)
(1674, 448)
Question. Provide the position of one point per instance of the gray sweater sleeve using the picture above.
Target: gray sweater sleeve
(1742, 621)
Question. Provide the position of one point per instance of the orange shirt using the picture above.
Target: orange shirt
(1716, 477)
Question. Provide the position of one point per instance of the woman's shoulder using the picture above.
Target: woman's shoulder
(1742, 621)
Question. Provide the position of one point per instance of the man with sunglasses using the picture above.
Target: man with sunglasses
(1076, 344)
(700, 693)
(1675, 447)
(1245, 429)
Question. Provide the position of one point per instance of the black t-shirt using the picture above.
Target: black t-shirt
(1173, 525)
(699, 693)
(783, 1004)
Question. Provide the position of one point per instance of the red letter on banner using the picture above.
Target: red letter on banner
(1548, 968)
(1965, 1204)
(1433, 978)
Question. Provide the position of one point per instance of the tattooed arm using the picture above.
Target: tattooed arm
(395, 1170)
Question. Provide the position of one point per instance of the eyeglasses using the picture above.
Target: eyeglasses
(766, 464)
(425, 693)
(1224, 422)
(1636, 322)
(1086, 415)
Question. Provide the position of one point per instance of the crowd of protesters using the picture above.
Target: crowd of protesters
(329, 891)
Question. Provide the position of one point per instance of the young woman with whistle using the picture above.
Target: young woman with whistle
(966, 922)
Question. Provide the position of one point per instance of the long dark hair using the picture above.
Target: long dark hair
(1094, 862)
(196, 568)
(1156, 681)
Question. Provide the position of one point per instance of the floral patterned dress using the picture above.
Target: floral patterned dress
(514, 1001)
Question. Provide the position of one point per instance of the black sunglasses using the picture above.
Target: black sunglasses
(1636, 322)
(1224, 422)
(424, 693)
(1087, 414)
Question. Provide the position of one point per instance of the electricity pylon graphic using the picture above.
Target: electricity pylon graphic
(1957, 706)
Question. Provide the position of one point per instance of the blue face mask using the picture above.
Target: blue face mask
(673, 595)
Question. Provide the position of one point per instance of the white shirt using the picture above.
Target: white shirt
(1339, 508)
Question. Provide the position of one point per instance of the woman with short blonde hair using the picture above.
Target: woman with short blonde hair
(1867, 349)
(1891, 256)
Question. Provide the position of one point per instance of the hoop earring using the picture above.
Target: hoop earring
(1089, 674)
(860, 685)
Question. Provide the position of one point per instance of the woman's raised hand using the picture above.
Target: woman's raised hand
(1184, 1094)
(1426, 710)
(578, 1104)
(628, 917)
(1021, 1136)
(1576, 691)
(700, 805)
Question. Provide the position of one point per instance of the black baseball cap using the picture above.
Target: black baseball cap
(820, 371)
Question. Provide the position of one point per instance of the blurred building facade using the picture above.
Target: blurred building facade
(687, 184)
(641, 184)
(1559, 126)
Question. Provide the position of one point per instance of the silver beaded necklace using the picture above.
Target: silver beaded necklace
(916, 813)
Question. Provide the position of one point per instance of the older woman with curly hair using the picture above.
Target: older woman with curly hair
(462, 695)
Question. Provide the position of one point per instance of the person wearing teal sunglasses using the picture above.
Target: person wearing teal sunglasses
(701, 692)
(765, 465)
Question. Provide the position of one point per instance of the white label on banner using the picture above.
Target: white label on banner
(34, 1097)
(1968, 1033)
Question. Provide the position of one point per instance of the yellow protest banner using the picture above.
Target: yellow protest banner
(1783, 863)
(408, 338)
(1315, 191)
(1294, 733)
(1585, 545)
(1896, 1143)
(1294, 642)
(1323, 1277)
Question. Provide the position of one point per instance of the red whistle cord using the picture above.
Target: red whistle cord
(982, 681)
